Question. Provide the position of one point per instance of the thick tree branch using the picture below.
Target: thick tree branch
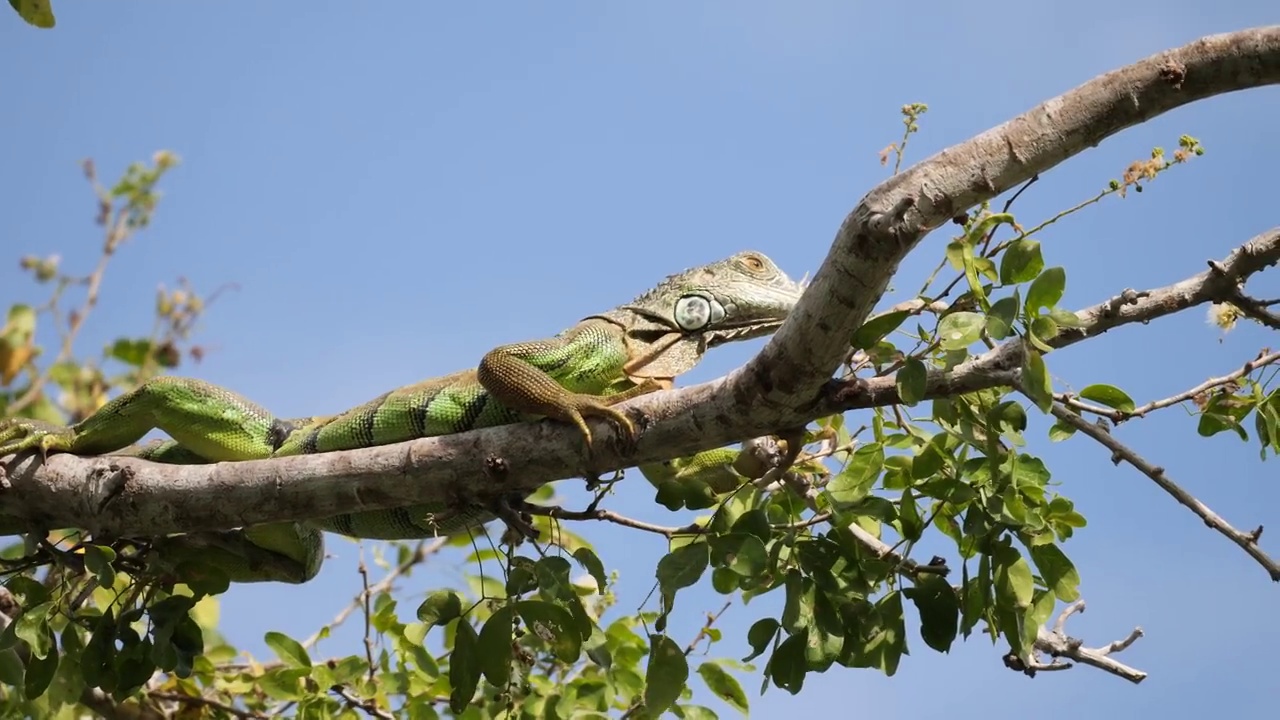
(895, 216)
(125, 496)
(787, 385)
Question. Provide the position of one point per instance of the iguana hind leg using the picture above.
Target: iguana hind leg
(213, 422)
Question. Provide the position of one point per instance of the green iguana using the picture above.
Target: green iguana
(582, 372)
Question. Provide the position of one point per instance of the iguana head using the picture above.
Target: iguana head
(669, 327)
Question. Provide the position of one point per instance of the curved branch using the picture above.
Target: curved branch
(896, 215)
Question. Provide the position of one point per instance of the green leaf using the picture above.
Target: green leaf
(130, 352)
(955, 253)
(282, 683)
(1002, 316)
(975, 284)
(875, 329)
(1109, 395)
(38, 13)
(40, 670)
(33, 628)
(666, 675)
(554, 626)
(290, 651)
(762, 632)
(1021, 262)
(797, 608)
(464, 666)
(1061, 431)
(753, 522)
(931, 458)
(1035, 379)
(787, 666)
(744, 554)
(1013, 582)
(1039, 613)
(522, 578)
(1057, 570)
(1047, 289)
(725, 686)
(349, 668)
(440, 608)
(959, 330)
(684, 712)
(909, 516)
(826, 631)
(683, 566)
(883, 641)
(855, 480)
(97, 560)
(588, 559)
(1008, 417)
(1225, 412)
(1065, 318)
(1211, 424)
(20, 322)
(911, 381)
(27, 592)
(554, 582)
(11, 668)
(976, 595)
(494, 646)
(1042, 331)
(98, 656)
(939, 608)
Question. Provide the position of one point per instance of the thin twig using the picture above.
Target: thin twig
(1247, 541)
(202, 701)
(117, 232)
(1118, 416)
(1057, 644)
(421, 552)
(705, 630)
(368, 615)
(1255, 309)
(369, 706)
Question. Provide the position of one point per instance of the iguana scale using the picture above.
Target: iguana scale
(582, 372)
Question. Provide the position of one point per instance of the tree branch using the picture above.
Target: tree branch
(1247, 541)
(787, 385)
(1057, 644)
(1118, 416)
(121, 496)
(896, 215)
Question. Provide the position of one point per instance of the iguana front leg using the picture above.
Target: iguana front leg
(518, 376)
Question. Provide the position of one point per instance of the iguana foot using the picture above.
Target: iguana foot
(578, 406)
(19, 434)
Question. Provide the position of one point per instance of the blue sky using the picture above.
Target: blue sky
(396, 190)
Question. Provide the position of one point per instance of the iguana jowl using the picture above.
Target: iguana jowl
(582, 372)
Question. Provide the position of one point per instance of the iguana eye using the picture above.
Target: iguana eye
(695, 312)
(753, 262)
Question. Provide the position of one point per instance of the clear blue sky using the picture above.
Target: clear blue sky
(396, 188)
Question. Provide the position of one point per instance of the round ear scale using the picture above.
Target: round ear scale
(696, 312)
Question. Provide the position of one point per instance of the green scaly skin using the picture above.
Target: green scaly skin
(582, 372)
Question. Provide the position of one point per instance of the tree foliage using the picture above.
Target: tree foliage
(828, 516)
